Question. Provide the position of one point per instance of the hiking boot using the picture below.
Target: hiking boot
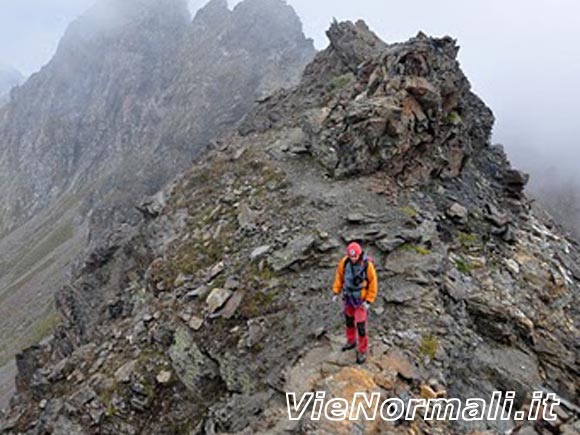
(361, 357)
(348, 346)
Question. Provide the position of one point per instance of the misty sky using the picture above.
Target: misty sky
(522, 56)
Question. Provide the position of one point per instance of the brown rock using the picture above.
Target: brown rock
(396, 361)
(195, 323)
(427, 392)
(423, 91)
(345, 384)
(385, 381)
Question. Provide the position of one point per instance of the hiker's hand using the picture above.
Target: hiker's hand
(335, 298)
(366, 305)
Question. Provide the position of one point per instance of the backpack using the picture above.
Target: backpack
(355, 292)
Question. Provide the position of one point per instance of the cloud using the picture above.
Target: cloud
(522, 57)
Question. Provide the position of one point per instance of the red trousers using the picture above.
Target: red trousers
(356, 322)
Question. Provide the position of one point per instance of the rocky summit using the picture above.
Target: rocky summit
(200, 316)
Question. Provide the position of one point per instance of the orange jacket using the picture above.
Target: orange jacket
(370, 285)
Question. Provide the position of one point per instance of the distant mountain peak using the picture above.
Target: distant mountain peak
(214, 13)
(118, 55)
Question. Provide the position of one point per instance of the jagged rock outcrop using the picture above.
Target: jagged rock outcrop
(9, 78)
(232, 271)
(408, 111)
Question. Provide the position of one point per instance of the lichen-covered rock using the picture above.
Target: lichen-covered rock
(189, 363)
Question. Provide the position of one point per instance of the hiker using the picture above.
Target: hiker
(356, 278)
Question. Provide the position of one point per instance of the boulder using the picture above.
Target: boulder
(359, 218)
(515, 181)
(367, 234)
(495, 216)
(195, 323)
(408, 262)
(388, 245)
(217, 298)
(499, 321)
(153, 206)
(297, 250)
(260, 252)
(199, 292)
(427, 94)
(399, 291)
(189, 363)
(247, 218)
(231, 306)
(214, 271)
(458, 212)
(83, 396)
(395, 361)
(344, 384)
(164, 377)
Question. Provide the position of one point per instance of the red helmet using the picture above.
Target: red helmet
(353, 249)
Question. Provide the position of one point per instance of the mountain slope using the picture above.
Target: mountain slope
(201, 316)
(133, 92)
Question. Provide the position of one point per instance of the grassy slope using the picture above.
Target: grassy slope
(34, 260)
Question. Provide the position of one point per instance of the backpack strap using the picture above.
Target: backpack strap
(366, 261)
(345, 262)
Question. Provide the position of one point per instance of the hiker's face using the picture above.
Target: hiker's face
(354, 258)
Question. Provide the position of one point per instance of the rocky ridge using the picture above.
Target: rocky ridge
(198, 318)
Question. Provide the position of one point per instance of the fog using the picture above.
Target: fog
(522, 57)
